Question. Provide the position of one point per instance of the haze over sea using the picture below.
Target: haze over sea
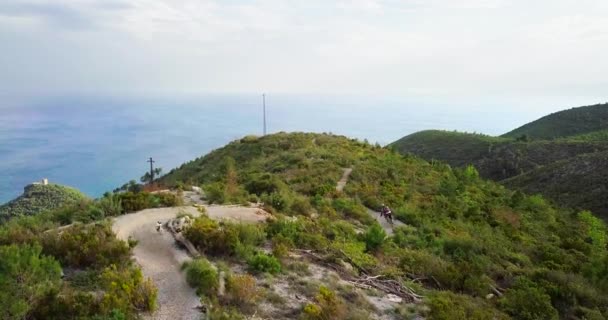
(97, 143)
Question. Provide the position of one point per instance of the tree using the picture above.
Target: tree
(25, 277)
(158, 171)
(145, 178)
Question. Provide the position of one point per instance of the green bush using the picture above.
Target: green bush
(374, 237)
(242, 290)
(226, 238)
(132, 202)
(264, 263)
(327, 306)
(126, 289)
(111, 205)
(200, 274)
(26, 276)
(83, 246)
(526, 301)
(215, 193)
(449, 306)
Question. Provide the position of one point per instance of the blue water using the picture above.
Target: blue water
(97, 143)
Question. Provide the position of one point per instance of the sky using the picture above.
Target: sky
(542, 52)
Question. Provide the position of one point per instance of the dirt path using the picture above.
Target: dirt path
(342, 183)
(161, 259)
(385, 224)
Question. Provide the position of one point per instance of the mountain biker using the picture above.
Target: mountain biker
(159, 226)
(388, 214)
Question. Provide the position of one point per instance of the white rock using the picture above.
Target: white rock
(394, 298)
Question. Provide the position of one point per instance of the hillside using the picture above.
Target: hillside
(496, 158)
(563, 137)
(454, 148)
(578, 182)
(472, 248)
(565, 123)
(37, 198)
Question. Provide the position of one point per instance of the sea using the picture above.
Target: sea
(96, 143)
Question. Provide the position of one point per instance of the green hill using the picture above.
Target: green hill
(471, 247)
(37, 198)
(565, 123)
(578, 182)
(563, 137)
(454, 148)
(496, 158)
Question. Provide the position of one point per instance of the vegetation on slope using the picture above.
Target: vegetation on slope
(37, 198)
(565, 123)
(539, 157)
(597, 136)
(454, 148)
(465, 239)
(496, 158)
(67, 263)
(54, 266)
(578, 182)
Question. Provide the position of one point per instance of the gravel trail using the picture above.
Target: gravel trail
(161, 259)
(385, 224)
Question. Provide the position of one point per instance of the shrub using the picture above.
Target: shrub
(526, 301)
(448, 306)
(300, 206)
(26, 276)
(248, 234)
(126, 289)
(215, 193)
(132, 202)
(204, 233)
(262, 262)
(242, 290)
(374, 237)
(355, 251)
(111, 205)
(200, 274)
(327, 306)
(166, 199)
(263, 184)
(280, 201)
(82, 246)
(281, 246)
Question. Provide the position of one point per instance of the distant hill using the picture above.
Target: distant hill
(565, 123)
(578, 182)
(455, 148)
(37, 198)
(539, 157)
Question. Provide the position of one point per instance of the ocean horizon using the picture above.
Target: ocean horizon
(96, 144)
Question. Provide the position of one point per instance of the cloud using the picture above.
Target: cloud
(361, 46)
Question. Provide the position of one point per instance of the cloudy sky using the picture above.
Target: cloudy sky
(430, 48)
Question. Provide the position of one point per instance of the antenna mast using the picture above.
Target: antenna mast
(264, 110)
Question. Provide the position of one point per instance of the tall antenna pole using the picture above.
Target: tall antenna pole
(264, 110)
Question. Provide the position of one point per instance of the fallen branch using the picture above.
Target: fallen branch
(388, 286)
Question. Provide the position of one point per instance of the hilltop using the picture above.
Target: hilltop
(465, 247)
(565, 123)
(471, 247)
(532, 157)
(40, 197)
